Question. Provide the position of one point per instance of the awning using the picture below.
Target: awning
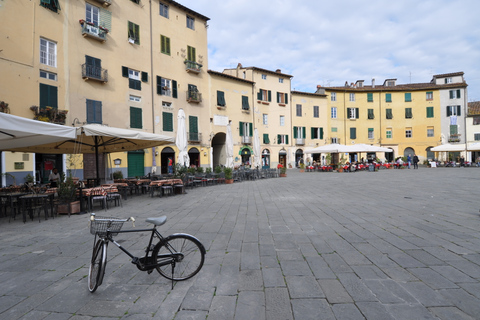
(449, 147)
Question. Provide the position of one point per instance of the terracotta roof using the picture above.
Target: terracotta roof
(310, 94)
(448, 75)
(473, 108)
(399, 87)
(188, 10)
(220, 74)
(264, 70)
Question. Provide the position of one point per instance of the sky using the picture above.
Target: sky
(329, 42)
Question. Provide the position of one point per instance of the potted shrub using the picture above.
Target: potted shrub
(302, 167)
(117, 175)
(67, 195)
(218, 169)
(283, 170)
(340, 164)
(228, 175)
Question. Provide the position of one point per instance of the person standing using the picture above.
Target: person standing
(409, 160)
(54, 178)
(170, 165)
(415, 161)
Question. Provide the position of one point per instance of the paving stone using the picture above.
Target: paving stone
(222, 308)
(312, 309)
(347, 311)
(295, 268)
(463, 300)
(356, 288)
(374, 311)
(301, 287)
(334, 291)
(450, 313)
(389, 291)
(250, 280)
(277, 303)
(250, 305)
(452, 274)
(432, 278)
(426, 295)
(273, 277)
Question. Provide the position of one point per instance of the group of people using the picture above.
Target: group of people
(409, 161)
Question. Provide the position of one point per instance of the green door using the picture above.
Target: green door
(136, 162)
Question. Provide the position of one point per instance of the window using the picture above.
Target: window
(353, 133)
(265, 118)
(264, 76)
(282, 98)
(266, 139)
(48, 96)
(408, 97)
(430, 132)
(167, 121)
(282, 139)
(429, 112)
(388, 97)
(245, 105)
(369, 97)
(370, 133)
(316, 113)
(454, 94)
(136, 118)
(389, 114)
(50, 4)
(476, 136)
(352, 113)
(48, 52)
(193, 128)
(352, 96)
(191, 54)
(453, 111)
(246, 129)
(190, 23)
(164, 10)
(92, 13)
(476, 120)
(299, 110)
(371, 114)
(429, 95)
(93, 68)
(94, 111)
(335, 140)
(48, 75)
(133, 33)
(408, 132)
(133, 78)
(448, 80)
(299, 133)
(334, 129)
(282, 121)
(166, 87)
(166, 104)
(164, 45)
(280, 80)
(408, 113)
(333, 96)
(264, 95)
(135, 98)
(334, 112)
(317, 133)
(221, 98)
(389, 133)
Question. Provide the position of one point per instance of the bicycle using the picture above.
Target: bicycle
(181, 252)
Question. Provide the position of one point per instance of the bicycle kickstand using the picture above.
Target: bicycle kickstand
(173, 270)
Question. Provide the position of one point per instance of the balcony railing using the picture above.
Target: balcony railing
(192, 66)
(92, 31)
(300, 141)
(194, 137)
(194, 96)
(246, 139)
(94, 73)
(105, 2)
(49, 114)
(454, 137)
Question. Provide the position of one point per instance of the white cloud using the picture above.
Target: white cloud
(328, 43)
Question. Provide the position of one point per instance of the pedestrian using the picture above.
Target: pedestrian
(409, 160)
(54, 178)
(170, 165)
(415, 161)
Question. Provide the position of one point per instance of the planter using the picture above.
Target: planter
(302, 170)
(68, 208)
(228, 181)
(283, 175)
(340, 169)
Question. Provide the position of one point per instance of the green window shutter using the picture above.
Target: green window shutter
(137, 34)
(279, 139)
(241, 129)
(459, 111)
(295, 136)
(265, 138)
(106, 19)
(348, 113)
(245, 105)
(174, 89)
(269, 95)
(357, 113)
(312, 133)
(94, 111)
(321, 133)
(125, 72)
(451, 94)
(193, 124)
(388, 97)
(191, 54)
(408, 113)
(220, 98)
(429, 112)
(304, 133)
(48, 96)
(408, 97)
(167, 118)
(286, 139)
(370, 114)
(278, 97)
(369, 97)
(389, 114)
(167, 44)
(353, 133)
(259, 95)
(250, 127)
(159, 85)
(449, 112)
(286, 98)
(453, 129)
(135, 118)
(458, 94)
(144, 76)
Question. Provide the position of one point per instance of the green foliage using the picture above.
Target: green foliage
(191, 170)
(67, 191)
(28, 178)
(118, 175)
(228, 173)
(179, 171)
(200, 169)
(218, 169)
(208, 170)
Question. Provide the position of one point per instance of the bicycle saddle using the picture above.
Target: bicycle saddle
(157, 221)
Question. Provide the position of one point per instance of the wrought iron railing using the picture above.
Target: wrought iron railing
(93, 31)
(194, 96)
(94, 73)
(193, 66)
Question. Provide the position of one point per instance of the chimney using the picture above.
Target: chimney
(278, 71)
(373, 82)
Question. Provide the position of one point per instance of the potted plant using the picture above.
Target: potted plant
(218, 169)
(302, 167)
(117, 175)
(340, 165)
(228, 175)
(67, 195)
(283, 170)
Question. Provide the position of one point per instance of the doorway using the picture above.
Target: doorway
(167, 152)
(44, 164)
(136, 163)
(194, 156)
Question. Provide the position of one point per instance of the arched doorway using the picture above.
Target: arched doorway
(430, 154)
(282, 157)
(219, 155)
(167, 152)
(194, 155)
(298, 157)
(390, 156)
(246, 154)
(265, 159)
(408, 151)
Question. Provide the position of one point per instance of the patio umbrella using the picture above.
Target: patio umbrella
(19, 132)
(328, 148)
(474, 147)
(257, 162)
(181, 141)
(229, 147)
(449, 147)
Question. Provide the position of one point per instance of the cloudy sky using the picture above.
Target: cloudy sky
(329, 42)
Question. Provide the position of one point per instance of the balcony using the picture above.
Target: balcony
(194, 137)
(90, 72)
(49, 114)
(93, 31)
(105, 3)
(192, 66)
(300, 142)
(454, 137)
(246, 140)
(194, 96)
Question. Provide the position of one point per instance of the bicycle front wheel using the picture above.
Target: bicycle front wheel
(97, 266)
(180, 257)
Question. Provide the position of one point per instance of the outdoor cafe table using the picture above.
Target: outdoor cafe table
(122, 187)
(159, 183)
(30, 201)
(10, 199)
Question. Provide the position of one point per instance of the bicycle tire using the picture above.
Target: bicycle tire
(97, 266)
(191, 261)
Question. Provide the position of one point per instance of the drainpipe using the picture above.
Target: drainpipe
(151, 69)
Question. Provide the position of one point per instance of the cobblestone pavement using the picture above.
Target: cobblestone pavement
(394, 244)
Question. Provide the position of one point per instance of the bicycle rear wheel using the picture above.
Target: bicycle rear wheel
(97, 265)
(182, 256)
